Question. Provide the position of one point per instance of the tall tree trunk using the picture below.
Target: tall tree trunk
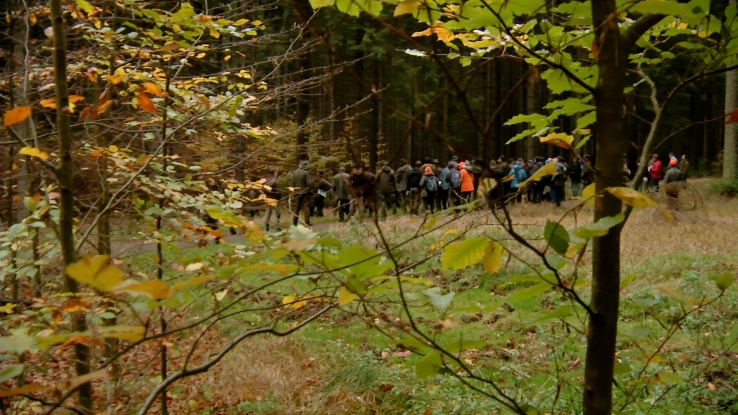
(303, 13)
(730, 149)
(374, 126)
(65, 177)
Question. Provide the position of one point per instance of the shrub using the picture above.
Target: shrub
(724, 187)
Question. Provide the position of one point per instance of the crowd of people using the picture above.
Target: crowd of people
(426, 186)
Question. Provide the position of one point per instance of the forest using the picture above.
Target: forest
(368, 207)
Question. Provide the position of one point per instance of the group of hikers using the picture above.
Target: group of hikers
(427, 186)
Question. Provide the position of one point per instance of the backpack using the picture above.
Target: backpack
(413, 178)
(456, 179)
(431, 186)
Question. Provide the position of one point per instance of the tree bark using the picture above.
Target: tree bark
(730, 155)
(65, 178)
(303, 15)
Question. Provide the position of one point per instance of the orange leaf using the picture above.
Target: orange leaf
(85, 113)
(49, 103)
(152, 88)
(16, 115)
(103, 107)
(114, 79)
(146, 103)
(595, 49)
(76, 98)
(733, 117)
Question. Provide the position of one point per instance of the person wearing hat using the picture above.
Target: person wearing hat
(387, 189)
(429, 186)
(302, 193)
(672, 180)
(401, 176)
(320, 186)
(341, 191)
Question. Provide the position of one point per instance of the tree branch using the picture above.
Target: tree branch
(641, 26)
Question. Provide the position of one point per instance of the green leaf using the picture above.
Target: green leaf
(621, 369)
(669, 378)
(85, 6)
(600, 228)
(662, 7)
(557, 237)
(329, 242)
(11, 372)
(438, 300)
(492, 260)
(415, 345)
(640, 332)
(428, 365)
(723, 281)
(460, 345)
(530, 292)
(561, 312)
(355, 286)
(18, 342)
(316, 4)
(627, 280)
(349, 7)
(463, 254)
(586, 119)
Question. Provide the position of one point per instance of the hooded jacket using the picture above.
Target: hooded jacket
(467, 180)
(445, 175)
(341, 186)
(519, 176)
(301, 178)
(386, 181)
(401, 177)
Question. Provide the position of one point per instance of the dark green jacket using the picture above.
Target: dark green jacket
(673, 175)
(301, 179)
(341, 186)
(386, 182)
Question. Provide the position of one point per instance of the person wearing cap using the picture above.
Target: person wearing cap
(401, 176)
(387, 189)
(672, 180)
(341, 191)
(429, 189)
(272, 192)
(655, 171)
(320, 187)
(303, 193)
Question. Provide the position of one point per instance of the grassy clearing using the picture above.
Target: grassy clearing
(340, 365)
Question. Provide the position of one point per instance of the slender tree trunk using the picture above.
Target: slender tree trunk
(65, 177)
(374, 126)
(730, 150)
(303, 14)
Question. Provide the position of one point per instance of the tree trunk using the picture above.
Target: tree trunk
(65, 177)
(730, 155)
(374, 126)
(303, 15)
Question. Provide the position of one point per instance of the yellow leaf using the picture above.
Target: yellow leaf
(7, 308)
(195, 266)
(214, 33)
(32, 18)
(227, 58)
(81, 380)
(559, 140)
(113, 149)
(492, 260)
(152, 88)
(34, 152)
(114, 79)
(346, 296)
(588, 194)
(544, 171)
(96, 272)
(240, 22)
(289, 301)
(637, 199)
(122, 332)
(221, 295)
(195, 281)
(146, 103)
(24, 390)
(656, 359)
(406, 7)
(176, 28)
(200, 55)
(16, 115)
(154, 289)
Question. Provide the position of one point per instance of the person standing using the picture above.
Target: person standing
(655, 171)
(467, 182)
(273, 193)
(445, 178)
(519, 176)
(413, 188)
(454, 180)
(575, 175)
(558, 182)
(302, 193)
(387, 188)
(341, 191)
(684, 167)
(672, 181)
(402, 173)
(429, 189)
(320, 186)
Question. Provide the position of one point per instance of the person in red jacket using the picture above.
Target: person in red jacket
(655, 172)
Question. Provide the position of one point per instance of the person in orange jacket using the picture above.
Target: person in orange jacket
(467, 182)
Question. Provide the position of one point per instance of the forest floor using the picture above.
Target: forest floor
(339, 365)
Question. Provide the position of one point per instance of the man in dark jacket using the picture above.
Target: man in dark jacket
(401, 177)
(302, 193)
(445, 178)
(387, 189)
(341, 192)
(272, 193)
(319, 186)
(413, 187)
(684, 167)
